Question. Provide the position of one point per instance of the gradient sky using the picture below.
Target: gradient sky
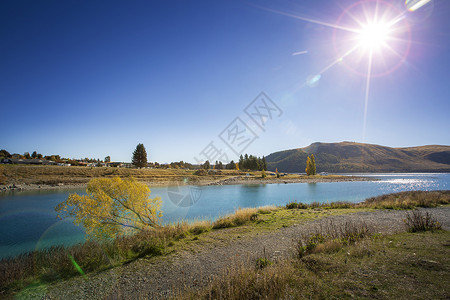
(95, 78)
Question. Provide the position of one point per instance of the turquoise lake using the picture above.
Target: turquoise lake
(28, 220)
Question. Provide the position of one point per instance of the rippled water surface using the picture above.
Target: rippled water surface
(28, 220)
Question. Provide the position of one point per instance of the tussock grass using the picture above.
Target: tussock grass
(267, 209)
(331, 237)
(241, 282)
(401, 200)
(240, 217)
(408, 200)
(199, 227)
(417, 221)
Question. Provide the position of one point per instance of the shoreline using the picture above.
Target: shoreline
(235, 180)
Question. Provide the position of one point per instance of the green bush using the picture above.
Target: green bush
(262, 262)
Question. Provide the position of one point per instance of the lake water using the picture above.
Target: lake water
(28, 220)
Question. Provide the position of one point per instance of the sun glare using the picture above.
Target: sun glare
(373, 36)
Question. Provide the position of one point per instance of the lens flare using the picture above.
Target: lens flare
(413, 5)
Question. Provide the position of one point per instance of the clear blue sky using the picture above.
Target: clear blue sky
(95, 78)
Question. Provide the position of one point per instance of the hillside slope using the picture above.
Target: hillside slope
(357, 157)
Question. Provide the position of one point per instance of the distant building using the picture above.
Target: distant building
(117, 164)
(64, 164)
(23, 161)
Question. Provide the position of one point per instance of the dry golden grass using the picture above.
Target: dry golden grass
(408, 200)
(241, 282)
(267, 209)
(240, 217)
(401, 200)
(50, 175)
(364, 270)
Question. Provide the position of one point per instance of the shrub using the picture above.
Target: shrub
(201, 172)
(262, 262)
(299, 205)
(417, 221)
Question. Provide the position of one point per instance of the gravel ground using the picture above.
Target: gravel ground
(157, 278)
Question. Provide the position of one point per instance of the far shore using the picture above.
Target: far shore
(234, 180)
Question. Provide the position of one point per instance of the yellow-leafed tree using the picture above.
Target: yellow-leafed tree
(112, 206)
(310, 165)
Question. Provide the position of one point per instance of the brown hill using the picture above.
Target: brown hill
(358, 157)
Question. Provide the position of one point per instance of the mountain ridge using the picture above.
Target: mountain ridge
(348, 157)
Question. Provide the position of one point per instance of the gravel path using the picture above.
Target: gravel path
(157, 278)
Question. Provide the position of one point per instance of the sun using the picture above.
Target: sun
(373, 36)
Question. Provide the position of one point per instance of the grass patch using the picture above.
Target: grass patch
(331, 237)
(401, 266)
(240, 217)
(408, 200)
(401, 200)
(53, 175)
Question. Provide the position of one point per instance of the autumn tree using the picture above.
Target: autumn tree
(313, 164)
(310, 165)
(112, 206)
(139, 159)
(34, 154)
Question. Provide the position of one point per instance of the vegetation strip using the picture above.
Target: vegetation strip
(53, 264)
(383, 267)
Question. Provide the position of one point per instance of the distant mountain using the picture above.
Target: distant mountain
(346, 157)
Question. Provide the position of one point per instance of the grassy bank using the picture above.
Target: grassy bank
(40, 175)
(59, 263)
(400, 266)
(52, 175)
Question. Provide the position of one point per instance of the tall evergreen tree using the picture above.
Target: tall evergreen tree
(207, 165)
(264, 163)
(139, 159)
